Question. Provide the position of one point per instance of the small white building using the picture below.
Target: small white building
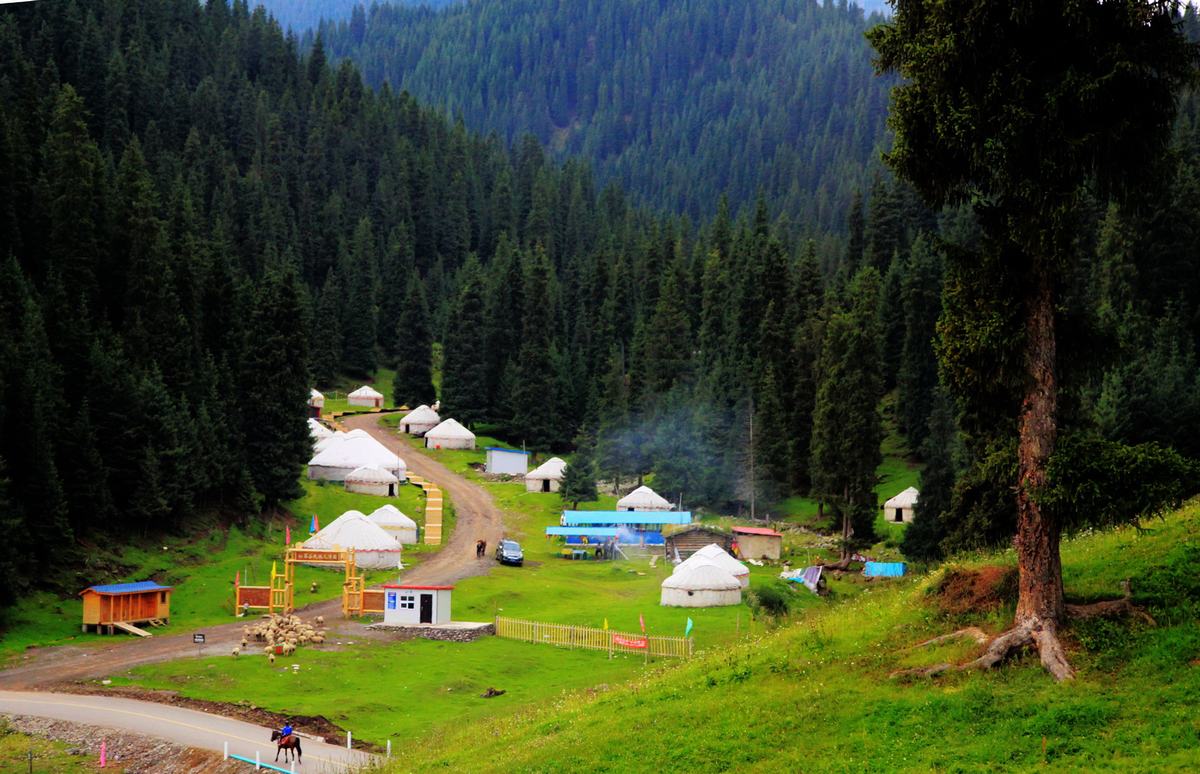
(316, 402)
(900, 508)
(393, 521)
(420, 420)
(405, 604)
(372, 480)
(450, 435)
(507, 462)
(546, 477)
(714, 554)
(700, 584)
(643, 499)
(366, 396)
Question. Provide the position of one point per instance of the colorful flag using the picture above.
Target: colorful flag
(312, 528)
(287, 534)
(687, 629)
(642, 621)
(605, 624)
(237, 578)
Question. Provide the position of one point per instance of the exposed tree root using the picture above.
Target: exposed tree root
(841, 564)
(1043, 635)
(1037, 633)
(974, 632)
(1111, 608)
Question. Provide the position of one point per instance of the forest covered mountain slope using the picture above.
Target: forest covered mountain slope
(678, 102)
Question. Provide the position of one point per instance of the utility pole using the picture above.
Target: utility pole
(753, 477)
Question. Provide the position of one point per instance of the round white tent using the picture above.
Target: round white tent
(372, 481)
(546, 477)
(316, 402)
(337, 437)
(702, 584)
(714, 554)
(395, 523)
(365, 396)
(901, 507)
(373, 548)
(450, 435)
(420, 420)
(355, 449)
(643, 499)
(318, 431)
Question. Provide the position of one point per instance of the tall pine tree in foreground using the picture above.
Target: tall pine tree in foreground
(579, 478)
(1020, 109)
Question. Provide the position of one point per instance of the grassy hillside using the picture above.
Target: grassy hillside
(816, 695)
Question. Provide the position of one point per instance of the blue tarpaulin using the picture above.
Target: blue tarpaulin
(883, 569)
(571, 518)
(128, 588)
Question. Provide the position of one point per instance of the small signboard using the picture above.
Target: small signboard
(198, 639)
(630, 642)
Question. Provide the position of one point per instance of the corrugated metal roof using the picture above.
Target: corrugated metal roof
(508, 451)
(757, 531)
(127, 588)
(585, 531)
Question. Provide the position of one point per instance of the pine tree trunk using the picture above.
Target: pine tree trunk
(1037, 542)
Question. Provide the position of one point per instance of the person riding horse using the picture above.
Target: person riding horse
(286, 740)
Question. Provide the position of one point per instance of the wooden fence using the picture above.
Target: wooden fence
(591, 638)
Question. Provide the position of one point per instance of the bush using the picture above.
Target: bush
(771, 599)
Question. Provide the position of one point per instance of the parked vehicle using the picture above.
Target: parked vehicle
(509, 552)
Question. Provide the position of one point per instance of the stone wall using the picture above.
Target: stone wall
(443, 633)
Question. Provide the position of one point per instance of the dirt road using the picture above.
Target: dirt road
(476, 514)
(477, 517)
(182, 726)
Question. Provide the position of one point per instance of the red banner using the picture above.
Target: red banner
(630, 642)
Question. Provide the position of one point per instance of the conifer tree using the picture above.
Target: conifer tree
(327, 335)
(535, 405)
(360, 311)
(465, 362)
(923, 537)
(846, 426)
(414, 350)
(917, 379)
(579, 478)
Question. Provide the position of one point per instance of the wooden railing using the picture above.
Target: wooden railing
(591, 638)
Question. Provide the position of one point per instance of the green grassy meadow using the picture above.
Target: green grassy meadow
(335, 394)
(816, 695)
(48, 756)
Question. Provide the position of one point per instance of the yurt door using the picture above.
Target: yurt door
(426, 608)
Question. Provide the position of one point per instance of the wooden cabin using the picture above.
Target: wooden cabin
(123, 605)
(691, 539)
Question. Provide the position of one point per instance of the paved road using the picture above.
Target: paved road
(476, 514)
(176, 724)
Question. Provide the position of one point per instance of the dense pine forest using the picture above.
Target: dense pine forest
(198, 222)
(678, 102)
(301, 15)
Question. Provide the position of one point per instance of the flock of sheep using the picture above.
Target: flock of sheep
(285, 631)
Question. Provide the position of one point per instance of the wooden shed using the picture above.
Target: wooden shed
(758, 542)
(689, 540)
(122, 605)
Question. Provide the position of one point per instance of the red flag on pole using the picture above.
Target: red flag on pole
(642, 621)
(237, 578)
(287, 534)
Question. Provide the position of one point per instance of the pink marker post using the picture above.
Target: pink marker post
(103, 753)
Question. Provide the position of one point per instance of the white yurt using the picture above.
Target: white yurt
(450, 435)
(372, 480)
(900, 508)
(316, 402)
(366, 396)
(420, 420)
(643, 499)
(702, 584)
(714, 554)
(546, 477)
(373, 548)
(318, 431)
(395, 523)
(355, 449)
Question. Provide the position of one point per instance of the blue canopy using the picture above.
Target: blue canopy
(627, 517)
(127, 588)
(604, 532)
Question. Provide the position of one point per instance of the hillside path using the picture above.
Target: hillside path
(476, 517)
(179, 725)
(476, 514)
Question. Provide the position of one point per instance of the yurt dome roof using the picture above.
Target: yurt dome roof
(450, 428)
(371, 475)
(551, 469)
(701, 576)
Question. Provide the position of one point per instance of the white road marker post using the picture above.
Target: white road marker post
(226, 751)
(257, 765)
(389, 748)
(349, 738)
